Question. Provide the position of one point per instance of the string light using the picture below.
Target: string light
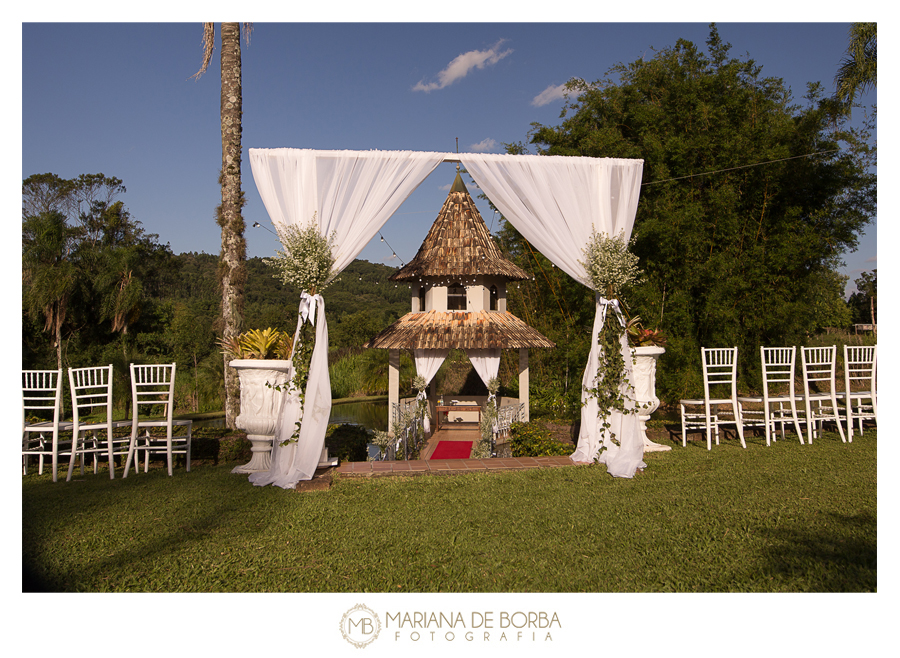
(258, 225)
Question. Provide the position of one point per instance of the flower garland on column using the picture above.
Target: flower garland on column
(307, 262)
(423, 413)
(611, 269)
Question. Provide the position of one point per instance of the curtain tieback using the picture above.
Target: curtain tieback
(307, 308)
(614, 303)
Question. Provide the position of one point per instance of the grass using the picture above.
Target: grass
(785, 518)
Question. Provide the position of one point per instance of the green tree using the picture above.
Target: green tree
(50, 276)
(232, 268)
(864, 302)
(733, 252)
(88, 268)
(858, 71)
(827, 308)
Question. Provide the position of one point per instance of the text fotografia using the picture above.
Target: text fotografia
(479, 626)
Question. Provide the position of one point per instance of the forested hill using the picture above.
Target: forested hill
(359, 304)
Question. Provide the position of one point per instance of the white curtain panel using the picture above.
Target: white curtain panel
(428, 362)
(352, 194)
(486, 363)
(556, 202)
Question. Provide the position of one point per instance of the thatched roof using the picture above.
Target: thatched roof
(459, 244)
(459, 329)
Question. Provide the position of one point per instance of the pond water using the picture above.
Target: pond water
(371, 415)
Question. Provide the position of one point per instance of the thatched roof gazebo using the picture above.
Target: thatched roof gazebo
(458, 280)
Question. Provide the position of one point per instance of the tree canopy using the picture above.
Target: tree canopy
(748, 200)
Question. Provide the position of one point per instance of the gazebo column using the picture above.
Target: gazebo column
(523, 382)
(393, 385)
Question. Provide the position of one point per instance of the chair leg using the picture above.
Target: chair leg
(683, 428)
(796, 420)
(737, 422)
(131, 446)
(72, 457)
(837, 416)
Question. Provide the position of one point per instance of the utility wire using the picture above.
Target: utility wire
(758, 164)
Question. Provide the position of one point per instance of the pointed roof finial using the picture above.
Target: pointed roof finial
(457, 153)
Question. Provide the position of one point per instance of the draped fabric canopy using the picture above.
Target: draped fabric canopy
(554, 202)
(351, 194)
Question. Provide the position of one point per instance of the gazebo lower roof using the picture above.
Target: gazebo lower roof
(459, 329)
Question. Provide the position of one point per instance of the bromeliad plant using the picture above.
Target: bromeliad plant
(611, 269)
(307, 262)
(265, 343)
(640, 337)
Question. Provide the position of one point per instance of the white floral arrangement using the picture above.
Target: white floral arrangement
(610, 267)
(384, 441)
(307, 260)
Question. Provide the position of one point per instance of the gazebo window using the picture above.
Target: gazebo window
(456, 297)
(421, 299)
(493, 305)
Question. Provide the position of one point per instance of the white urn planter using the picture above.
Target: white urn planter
(645, 390)
(260, 404)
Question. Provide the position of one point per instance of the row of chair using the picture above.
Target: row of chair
(152, 387)
(781, 407)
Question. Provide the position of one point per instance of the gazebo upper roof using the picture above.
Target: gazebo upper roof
(459, 244)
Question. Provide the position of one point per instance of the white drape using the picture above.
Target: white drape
(556, 202)
(428, 362)
(486, 363)
(352, 194)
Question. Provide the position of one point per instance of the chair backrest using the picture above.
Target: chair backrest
(719, 368)
(778, 366)
(818, 366)
(91, 389)
(859, 366)
(41, 392)
(507, 415)
(151, 386)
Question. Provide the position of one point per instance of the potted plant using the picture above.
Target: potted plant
(262, 359)
(648, 345)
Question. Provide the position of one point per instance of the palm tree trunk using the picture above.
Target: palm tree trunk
(232, 269)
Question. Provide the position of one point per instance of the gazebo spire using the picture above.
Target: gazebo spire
(459, 244)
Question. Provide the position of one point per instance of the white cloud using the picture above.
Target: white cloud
(484, 146)
(550, 94)
(872, 259)
(462, 65)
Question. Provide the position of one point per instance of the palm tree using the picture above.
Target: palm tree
(232, 264)
(858, 71)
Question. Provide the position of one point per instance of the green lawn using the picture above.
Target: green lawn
(785, 518)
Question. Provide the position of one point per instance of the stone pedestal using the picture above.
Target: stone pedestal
(260, 404)
(645, 390)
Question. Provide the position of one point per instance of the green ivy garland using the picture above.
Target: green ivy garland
(611, 268)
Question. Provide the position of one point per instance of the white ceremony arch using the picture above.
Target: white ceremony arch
(555, 202)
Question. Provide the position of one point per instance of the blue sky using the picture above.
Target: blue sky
(118, 98)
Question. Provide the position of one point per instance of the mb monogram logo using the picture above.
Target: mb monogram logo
(360, 626)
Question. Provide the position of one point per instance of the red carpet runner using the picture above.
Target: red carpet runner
(452, 450)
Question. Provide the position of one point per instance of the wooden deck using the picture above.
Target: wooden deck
(458, 432)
